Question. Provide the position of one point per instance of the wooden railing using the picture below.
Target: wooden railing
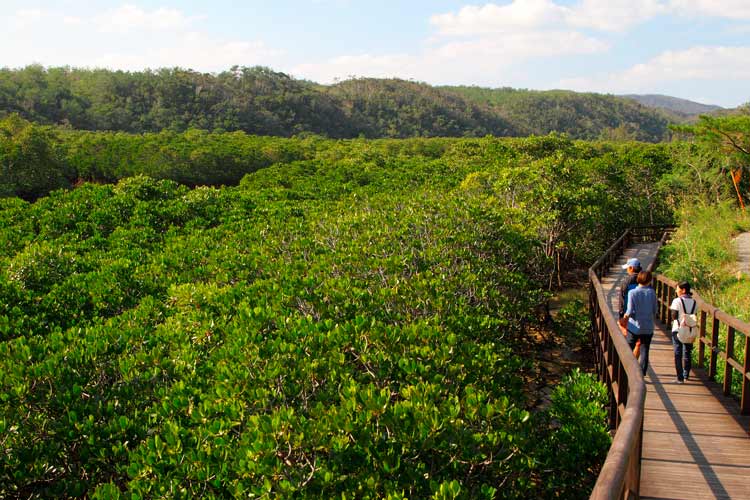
(619, 370)
(724, 329)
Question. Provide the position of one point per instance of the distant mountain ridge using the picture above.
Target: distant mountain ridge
(683, 107)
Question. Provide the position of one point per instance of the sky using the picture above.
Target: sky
(692, 49)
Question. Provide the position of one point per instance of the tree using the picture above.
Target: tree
(30, 164)
(728, 137)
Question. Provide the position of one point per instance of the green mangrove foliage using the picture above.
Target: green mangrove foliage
(344, 323)
(31, 164)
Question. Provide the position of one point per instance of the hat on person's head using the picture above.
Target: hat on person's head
(632, 263)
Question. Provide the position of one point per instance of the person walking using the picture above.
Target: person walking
(639, 316)
(633, 267)
(682, 305)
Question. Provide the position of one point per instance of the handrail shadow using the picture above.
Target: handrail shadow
(699, 458)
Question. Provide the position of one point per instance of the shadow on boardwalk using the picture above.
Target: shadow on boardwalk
(695, 443)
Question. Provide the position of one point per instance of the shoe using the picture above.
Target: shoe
(679, 381)
(687, 378)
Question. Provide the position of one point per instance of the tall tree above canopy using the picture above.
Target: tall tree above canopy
(30, 166)
(729, 138)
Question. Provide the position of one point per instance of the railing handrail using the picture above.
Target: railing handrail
(626, 443)
(610, 251)
(620, 474)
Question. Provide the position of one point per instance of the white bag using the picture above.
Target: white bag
(688, 329)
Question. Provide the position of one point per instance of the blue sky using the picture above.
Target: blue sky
(694, 49)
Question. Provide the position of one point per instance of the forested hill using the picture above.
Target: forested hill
(399, 108)
(261, 101)
(581, 115)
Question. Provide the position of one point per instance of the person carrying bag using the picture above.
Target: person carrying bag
(684, 330)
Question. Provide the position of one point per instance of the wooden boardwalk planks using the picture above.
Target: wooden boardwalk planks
(695, 443)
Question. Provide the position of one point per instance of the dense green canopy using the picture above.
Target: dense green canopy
(349, 321)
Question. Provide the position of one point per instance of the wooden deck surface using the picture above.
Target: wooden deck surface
(695, 443)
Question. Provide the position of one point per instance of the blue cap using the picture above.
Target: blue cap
(632, 263)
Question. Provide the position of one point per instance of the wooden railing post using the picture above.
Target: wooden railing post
(613, 419)
(657, 288)
(702, 340)
(728, 365)
(714, 348)
(622, 388)
(745, 399)
(593, 327)
(662, 298)
(604, 342)
(603, 348)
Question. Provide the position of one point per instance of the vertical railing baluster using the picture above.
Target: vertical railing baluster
(727, 366)
(745, 399)
(660, 297)
(714, 347)
(614, 416)
(662, 300)
(658, 285)
(659, 294)
(607, 359)
(701, 343)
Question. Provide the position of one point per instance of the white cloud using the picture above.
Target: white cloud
(128, 18)
(515, 47)
(479, 41)
(72, 20)
(609, 15)
(26, 18)
(127, 37)
(729, 9)
(614, 15)
(486, 57)
(704, 63)
(714, 64)
(190, 50)
(601, 15)
(492, 18)
(342, 67)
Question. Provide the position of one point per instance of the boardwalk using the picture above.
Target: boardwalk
(695, 444)
(743, 252)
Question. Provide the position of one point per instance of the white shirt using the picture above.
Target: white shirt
(677, 306)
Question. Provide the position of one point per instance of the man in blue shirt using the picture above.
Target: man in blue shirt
(639, 316)
(633, 267)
